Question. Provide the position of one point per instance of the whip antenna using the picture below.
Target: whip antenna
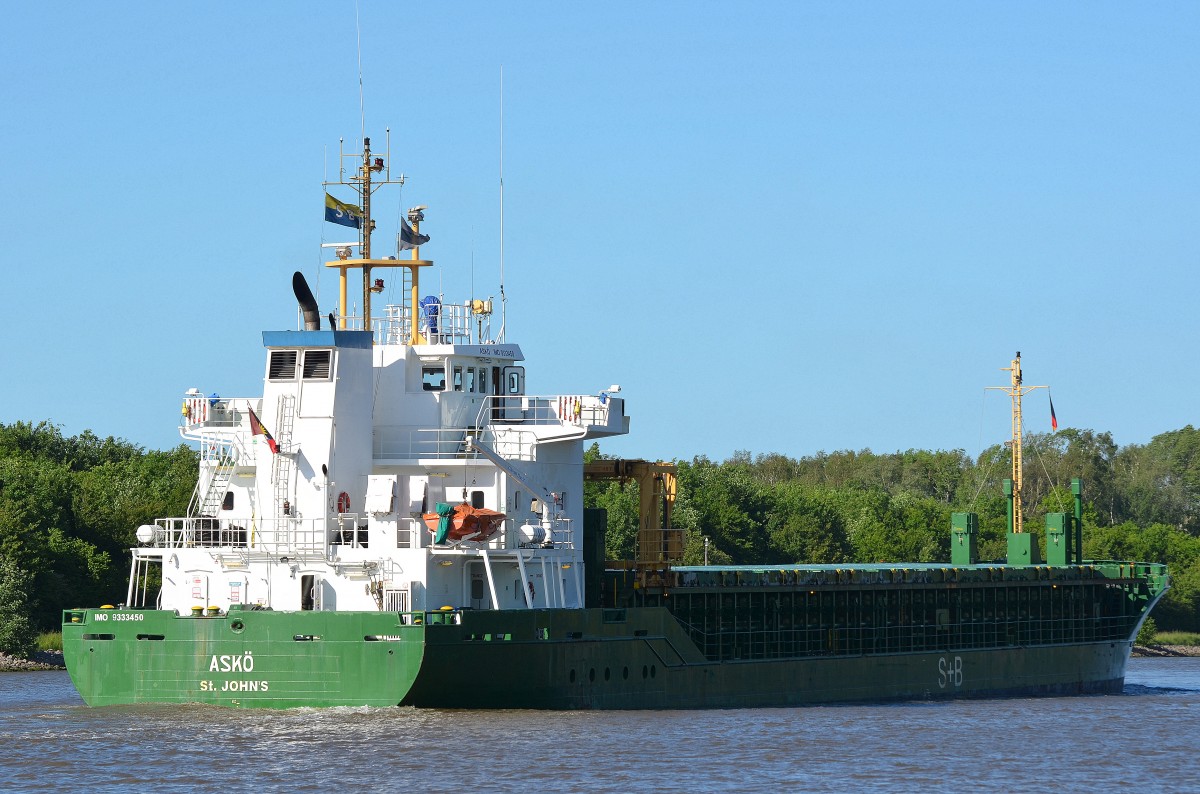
(503, 300)
(362, 113)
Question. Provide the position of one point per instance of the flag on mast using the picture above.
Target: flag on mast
(342, 213)
(1053, 418)
(257, 429)
(410, 239)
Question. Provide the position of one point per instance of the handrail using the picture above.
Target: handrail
(275, 536)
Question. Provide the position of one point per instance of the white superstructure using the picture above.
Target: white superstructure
(373, 429)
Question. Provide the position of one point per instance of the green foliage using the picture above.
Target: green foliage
(69, 507)
(620, 543)
(49, 641)
(1188, 638)
(1139, 502)
(17, 634)
(1146, 634)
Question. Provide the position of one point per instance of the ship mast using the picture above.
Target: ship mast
(1016, 390)
(364, 188)
(368, 177)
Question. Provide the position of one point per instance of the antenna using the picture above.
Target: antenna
(503, 299)
(362, 113)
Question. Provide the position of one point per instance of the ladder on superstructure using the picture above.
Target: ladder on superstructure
(281, 472)
(206, 501)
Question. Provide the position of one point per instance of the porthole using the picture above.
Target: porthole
(606, 674)
(625, 673)
(572, 676)
(592, 674)
(645, 671)
(653, 670)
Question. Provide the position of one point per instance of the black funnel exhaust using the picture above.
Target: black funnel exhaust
(308, 304)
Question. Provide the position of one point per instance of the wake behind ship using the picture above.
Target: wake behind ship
(395, 521)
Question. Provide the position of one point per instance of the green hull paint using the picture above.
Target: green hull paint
(252, 659)
(554, 659)
(613, 668)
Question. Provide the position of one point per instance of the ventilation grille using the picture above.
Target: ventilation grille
(282, 365)
(395, 600)
(316, 364)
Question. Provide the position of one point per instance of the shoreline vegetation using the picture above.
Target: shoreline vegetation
(70, 506)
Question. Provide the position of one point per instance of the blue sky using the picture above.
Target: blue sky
(788, 227)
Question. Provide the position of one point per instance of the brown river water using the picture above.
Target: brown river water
(1147, 738)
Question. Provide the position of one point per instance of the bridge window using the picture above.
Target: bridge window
(470, 379)
(458, 380)
(433, 378)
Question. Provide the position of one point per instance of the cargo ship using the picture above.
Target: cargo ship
(395, 521)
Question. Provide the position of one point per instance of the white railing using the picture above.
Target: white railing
(200, 414)
(570, 410)
(399, 442)
(274, 536)
(455, 324)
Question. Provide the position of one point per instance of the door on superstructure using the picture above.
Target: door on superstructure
(480, 596)
(512, 389)
(310, 592)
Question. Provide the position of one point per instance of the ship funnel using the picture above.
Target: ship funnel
(308, 304)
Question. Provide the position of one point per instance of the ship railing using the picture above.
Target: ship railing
(200, 414)
(560, 535)
(414, 533)
(438, 323)
(408, 532)
(201, 531)
(569, 411)
(398, 442)
(288, 535)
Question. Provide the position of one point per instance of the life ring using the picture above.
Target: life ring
(343, 502)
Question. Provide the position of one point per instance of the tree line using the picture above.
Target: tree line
(69, 508)
(70, 505)
(1141, 502)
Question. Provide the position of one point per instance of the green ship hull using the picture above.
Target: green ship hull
(718, 638)
(246, 658)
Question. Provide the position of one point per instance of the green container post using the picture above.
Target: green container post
(1077, 490)
(1058, 539)
(1023, 549)
(964, 533)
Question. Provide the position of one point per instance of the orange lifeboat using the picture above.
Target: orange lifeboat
(457, 523)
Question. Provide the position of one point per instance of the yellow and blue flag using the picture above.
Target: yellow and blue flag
(341, 213)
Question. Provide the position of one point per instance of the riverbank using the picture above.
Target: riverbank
(42, 660)
(1166, 650)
